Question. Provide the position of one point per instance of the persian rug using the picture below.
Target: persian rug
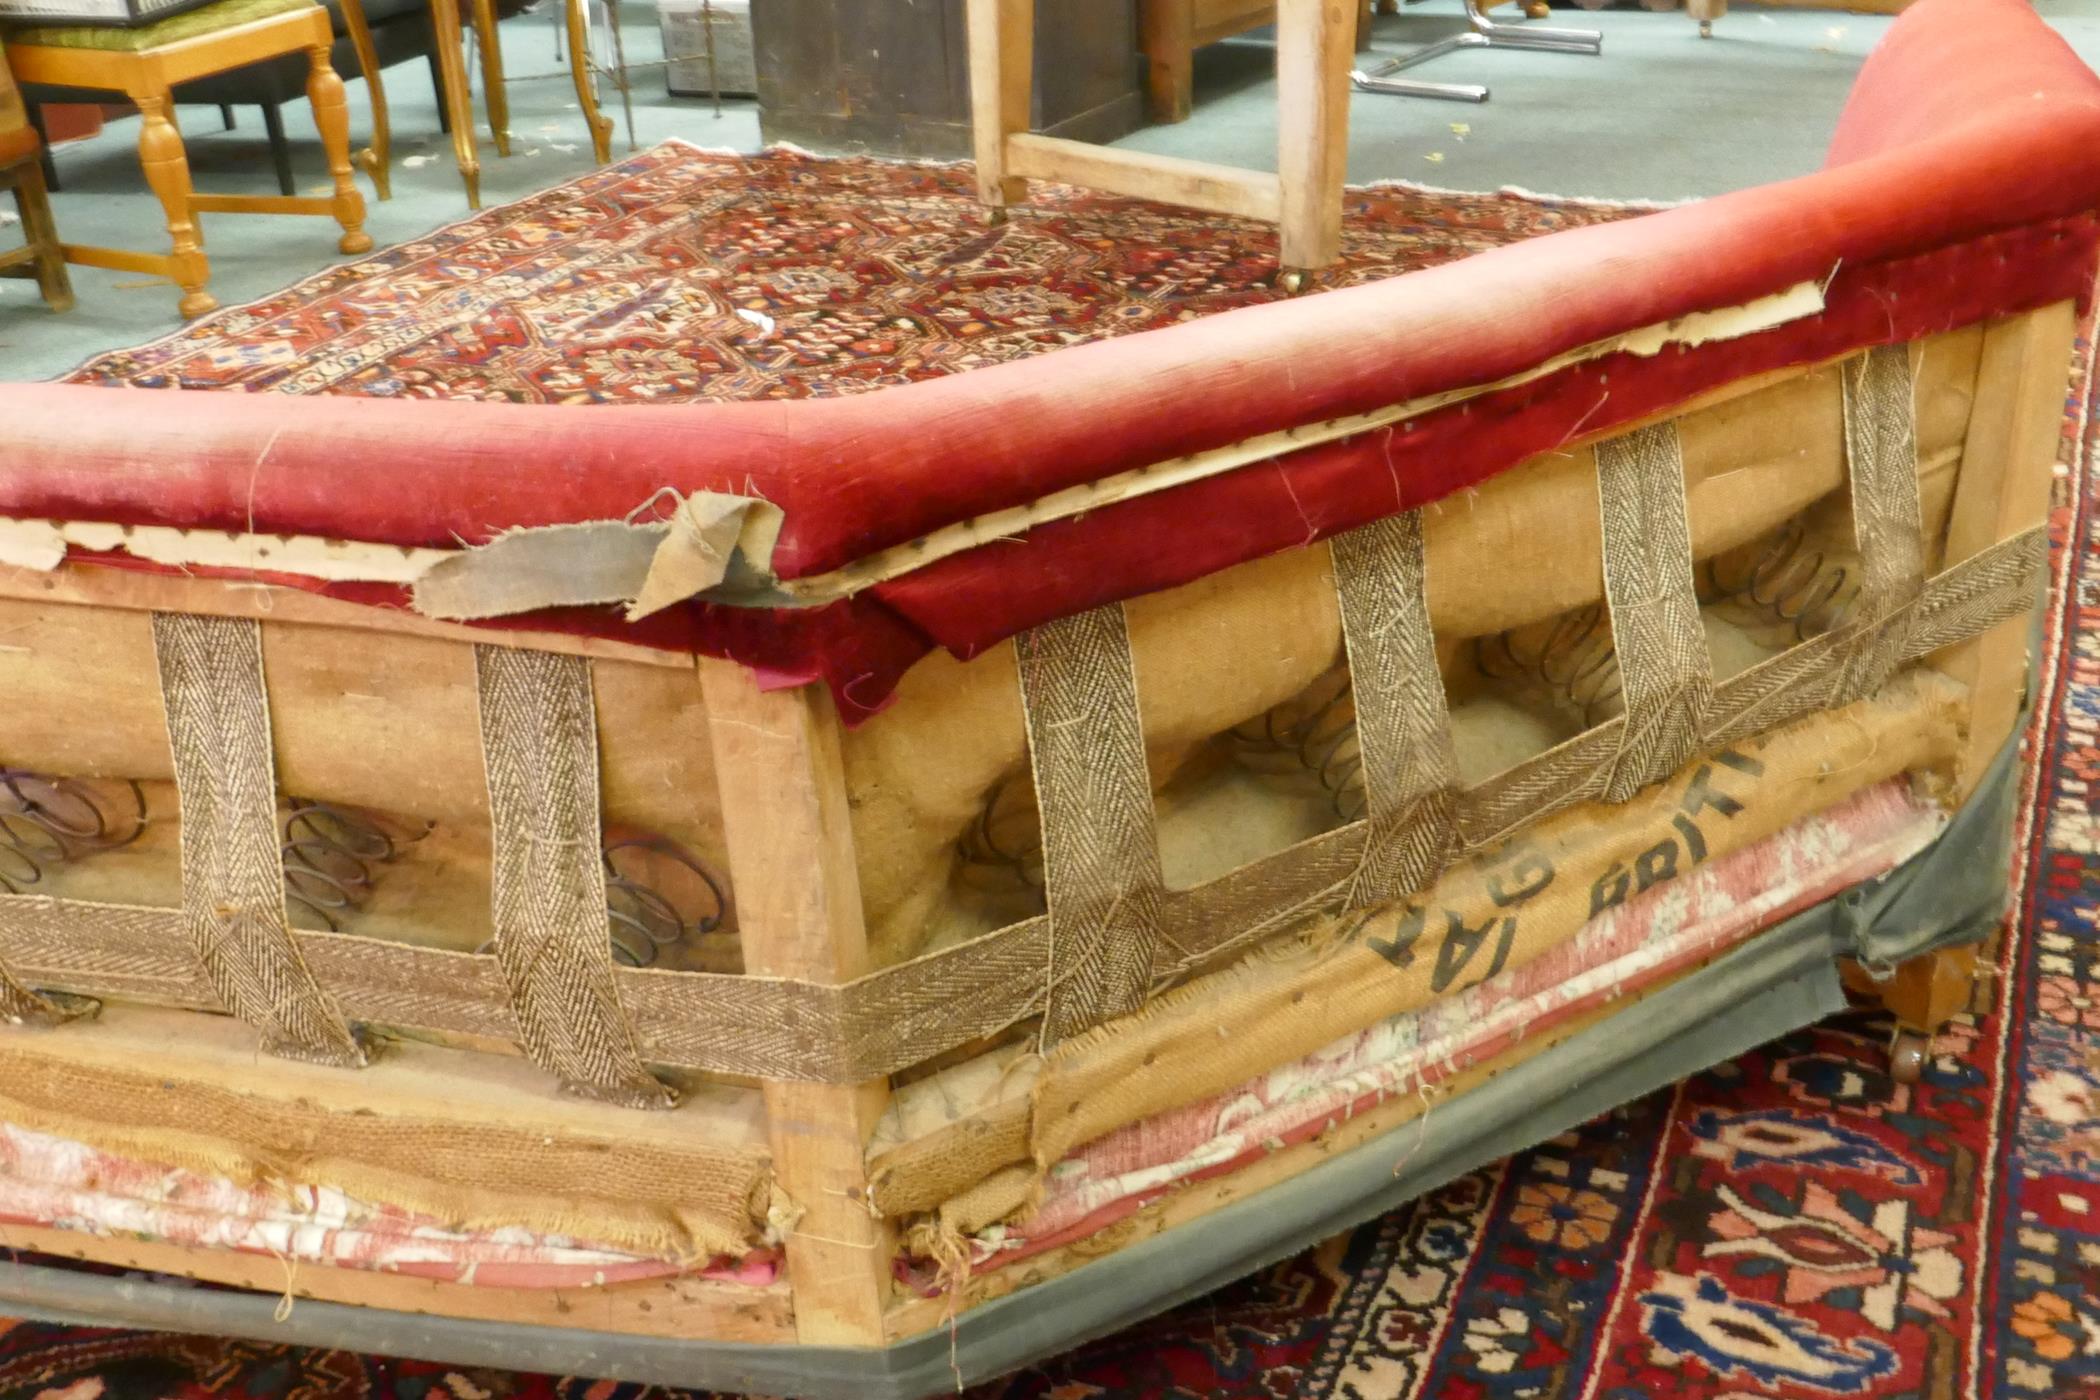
(1790, 1224)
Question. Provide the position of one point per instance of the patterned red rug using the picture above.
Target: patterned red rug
(1792, 1224)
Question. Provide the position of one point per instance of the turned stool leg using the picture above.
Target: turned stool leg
(377, 158)
(586, 96)
(167, 168)
(34, 203)
(459, 100)
(324, 89)
(492, 74)
(1924, 994)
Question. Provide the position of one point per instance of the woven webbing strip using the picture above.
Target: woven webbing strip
(1094, 793)
(539, 743)
(1665, 671)
(211, 685)
(1881, 457)
(900, 1016)
(1403, 722)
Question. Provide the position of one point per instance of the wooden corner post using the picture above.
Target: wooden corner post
(797, 893)
(1314, 43)
(1002, 90)
(2015, 421)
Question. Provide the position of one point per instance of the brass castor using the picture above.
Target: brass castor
(1706, 29)
(995, 215)
(1294, 280)
(1907, 1056)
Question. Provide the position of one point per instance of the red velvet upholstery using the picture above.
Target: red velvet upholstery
(1963, 183)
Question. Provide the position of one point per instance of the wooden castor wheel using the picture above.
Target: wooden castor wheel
(1537, 9)
(1908, 1055)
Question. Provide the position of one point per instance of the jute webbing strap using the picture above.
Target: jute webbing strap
(1403, 722)
(539, 745)
(1665, 672)
(211, 685)
(1881, 459)
(901, 1016)
(1094, 794)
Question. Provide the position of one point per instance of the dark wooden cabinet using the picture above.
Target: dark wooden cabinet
(892, 76)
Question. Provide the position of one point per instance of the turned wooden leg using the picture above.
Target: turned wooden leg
(376, 160)
(167, 168)
(586, 95)
(1168, 37)
(324, 89)
(33, 201)
(459, 100)
(1924, 994)
(492, 74)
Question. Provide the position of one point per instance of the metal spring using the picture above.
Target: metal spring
(985, 853)
(46, 821)
(644, 922)
(1321, 739)
(329, 853)
(1788, 580)
(1576, 660)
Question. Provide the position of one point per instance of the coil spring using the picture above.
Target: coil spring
(1787, 579)
(993, 858)
(645, 922)
(46, 821)
(1574, 657)
(1321, 739)
(329, 855)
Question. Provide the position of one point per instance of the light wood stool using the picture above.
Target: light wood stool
(145, 63)
(1314, 39)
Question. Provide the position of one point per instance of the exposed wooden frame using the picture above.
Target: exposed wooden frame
(783, 794)
(1314, 40)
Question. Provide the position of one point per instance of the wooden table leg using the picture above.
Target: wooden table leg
(485, 38)
(324, 89)
(34, 203)
(1314, 39)
(167, 168)
(377, 158)
(586, 96)
(1167, 30)
(459, 101)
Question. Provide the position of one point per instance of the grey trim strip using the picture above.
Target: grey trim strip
(1782, 980)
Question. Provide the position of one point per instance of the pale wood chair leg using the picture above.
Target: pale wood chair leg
(376, 160)
(586, 95)
(1167, 35)
(492, 91)
(324, 90)
(40, 231)
(1314, 39)
(1002, 92)
(167, 167)
(797, 889)
(459, 100)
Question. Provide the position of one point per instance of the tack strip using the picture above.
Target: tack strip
(1403, 720)
(539, 740)
(211, 684)
(1093, 788)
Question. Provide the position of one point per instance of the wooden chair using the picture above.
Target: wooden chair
(145, 63)
(40, 255)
